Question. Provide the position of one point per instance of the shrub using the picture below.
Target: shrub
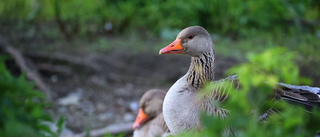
(251, 100)
(22, 107)
(228, 17)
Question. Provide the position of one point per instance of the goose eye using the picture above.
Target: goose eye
(147, 103)
(190, 36)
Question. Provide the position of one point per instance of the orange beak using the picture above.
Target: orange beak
(174, 48)
(140, 120)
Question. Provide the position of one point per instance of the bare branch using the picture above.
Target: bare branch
(26, 66)
(112, 129)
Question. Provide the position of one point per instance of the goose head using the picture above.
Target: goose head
(193, 41)
(150, 106)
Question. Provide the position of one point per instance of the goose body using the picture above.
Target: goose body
(182, 106)
(150, 121)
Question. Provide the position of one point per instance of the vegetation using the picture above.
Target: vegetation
(22, 108)
(227, 17)
(290, 29)
(238, 25)
(253, 99)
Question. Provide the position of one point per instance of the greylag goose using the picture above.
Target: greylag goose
(181, 105)
(150, 122)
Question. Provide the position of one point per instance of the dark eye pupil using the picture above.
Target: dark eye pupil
(190, 36)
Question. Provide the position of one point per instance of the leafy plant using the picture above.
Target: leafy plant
(242, 17)
(258, 78)
(22, 107)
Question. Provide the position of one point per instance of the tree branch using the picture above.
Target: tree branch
(26, 66)
(112, 129)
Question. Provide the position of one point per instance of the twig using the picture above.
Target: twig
(61, 24)
(54, 68)
(67, 58)
(31, 71)
(108, 60)
(112, 129)
(90, 61)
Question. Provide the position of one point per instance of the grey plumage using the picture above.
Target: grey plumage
(185, 95)
(306, 96)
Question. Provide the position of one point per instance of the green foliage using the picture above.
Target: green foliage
(258, 78)
(60, 125)
(230, 16)
(119, 135)
(267, 66)
(305, 49)
(17, 9)
(22, 108)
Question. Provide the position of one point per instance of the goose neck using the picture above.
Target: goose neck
(201, 70)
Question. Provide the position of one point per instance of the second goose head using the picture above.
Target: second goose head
(150, 106)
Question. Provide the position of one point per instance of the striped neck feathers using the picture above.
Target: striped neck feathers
(201, 70)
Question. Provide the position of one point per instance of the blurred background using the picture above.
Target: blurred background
(95, 58)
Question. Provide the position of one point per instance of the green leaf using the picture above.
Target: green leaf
(60, 124)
